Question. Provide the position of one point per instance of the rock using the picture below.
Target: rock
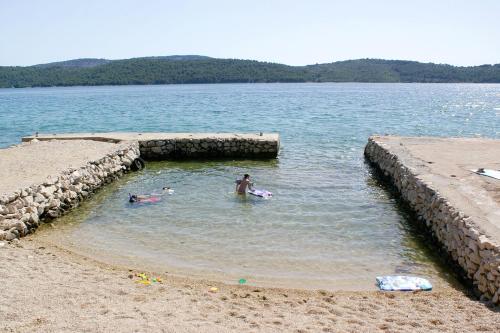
(496, 297)
(53, 213)
(34, 218)
(38, 198)
(485, 243)
(49, 181)
(76, 176)
(54, 203)
(10, 236)
(47, 191)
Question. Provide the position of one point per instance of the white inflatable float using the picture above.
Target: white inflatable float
(403, 283)
(488, 173)
(260, 193)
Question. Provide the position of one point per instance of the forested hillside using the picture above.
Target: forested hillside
(200, 69)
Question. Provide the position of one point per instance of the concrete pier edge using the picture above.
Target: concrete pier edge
(165, 146)
(22, 210)
(476, 252)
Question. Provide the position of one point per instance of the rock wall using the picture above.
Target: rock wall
(474, 252)
(22, 211)
(185, 148)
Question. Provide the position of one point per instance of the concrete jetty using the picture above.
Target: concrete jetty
(41, 180)
(459, 207)
(163, 146)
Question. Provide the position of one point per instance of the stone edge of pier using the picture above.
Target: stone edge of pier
(475, 253)
(22, 210)
(164, 146)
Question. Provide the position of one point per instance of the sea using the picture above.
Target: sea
(331, 222)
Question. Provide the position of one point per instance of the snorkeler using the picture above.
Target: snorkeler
(168, 190)
(143, 198)
(136, 198)
(242, 184)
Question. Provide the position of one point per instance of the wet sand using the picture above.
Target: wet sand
(48, 289)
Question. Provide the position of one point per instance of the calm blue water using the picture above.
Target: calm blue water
(329, 225)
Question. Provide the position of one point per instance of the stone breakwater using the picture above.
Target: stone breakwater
(187, 148)
(459, 234)
(22, 210)
(165, 146)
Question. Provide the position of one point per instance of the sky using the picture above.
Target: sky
(459, 32)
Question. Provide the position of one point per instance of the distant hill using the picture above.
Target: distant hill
(85, 62)
(201, 69)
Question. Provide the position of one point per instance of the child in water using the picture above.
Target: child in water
(168, 190)
(153, 197)
(242, 184)
(136, 198)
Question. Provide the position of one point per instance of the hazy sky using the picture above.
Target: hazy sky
(459, 32)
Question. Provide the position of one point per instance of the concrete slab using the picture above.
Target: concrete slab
(137, 136)
(446, 163)
(31, 163)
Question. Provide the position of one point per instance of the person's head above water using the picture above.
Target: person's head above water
(132, 198)
(246, 176)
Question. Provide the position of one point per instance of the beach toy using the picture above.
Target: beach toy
(242, 281)
(145, 282)
(213, 289)
(402, 283)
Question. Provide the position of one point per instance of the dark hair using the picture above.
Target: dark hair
(132, 198)
(246, 176)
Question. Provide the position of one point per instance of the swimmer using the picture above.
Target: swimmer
(242, 184)
(140, 198)
(133, 198)
(168, 190)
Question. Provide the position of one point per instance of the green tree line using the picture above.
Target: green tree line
(197, 69)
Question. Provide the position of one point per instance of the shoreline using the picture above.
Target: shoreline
(246, 83)
(69, 292)
(55, 236)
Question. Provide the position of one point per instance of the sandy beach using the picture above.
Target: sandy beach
(48, 289)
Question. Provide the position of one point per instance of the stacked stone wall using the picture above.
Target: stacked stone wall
(183, 148)
(476, 254)
(22, 211)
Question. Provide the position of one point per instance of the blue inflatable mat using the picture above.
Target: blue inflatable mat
(402, 283)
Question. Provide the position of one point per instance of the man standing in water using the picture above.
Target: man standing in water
(241, 185)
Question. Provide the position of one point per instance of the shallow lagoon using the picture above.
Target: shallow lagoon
(330, 224)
